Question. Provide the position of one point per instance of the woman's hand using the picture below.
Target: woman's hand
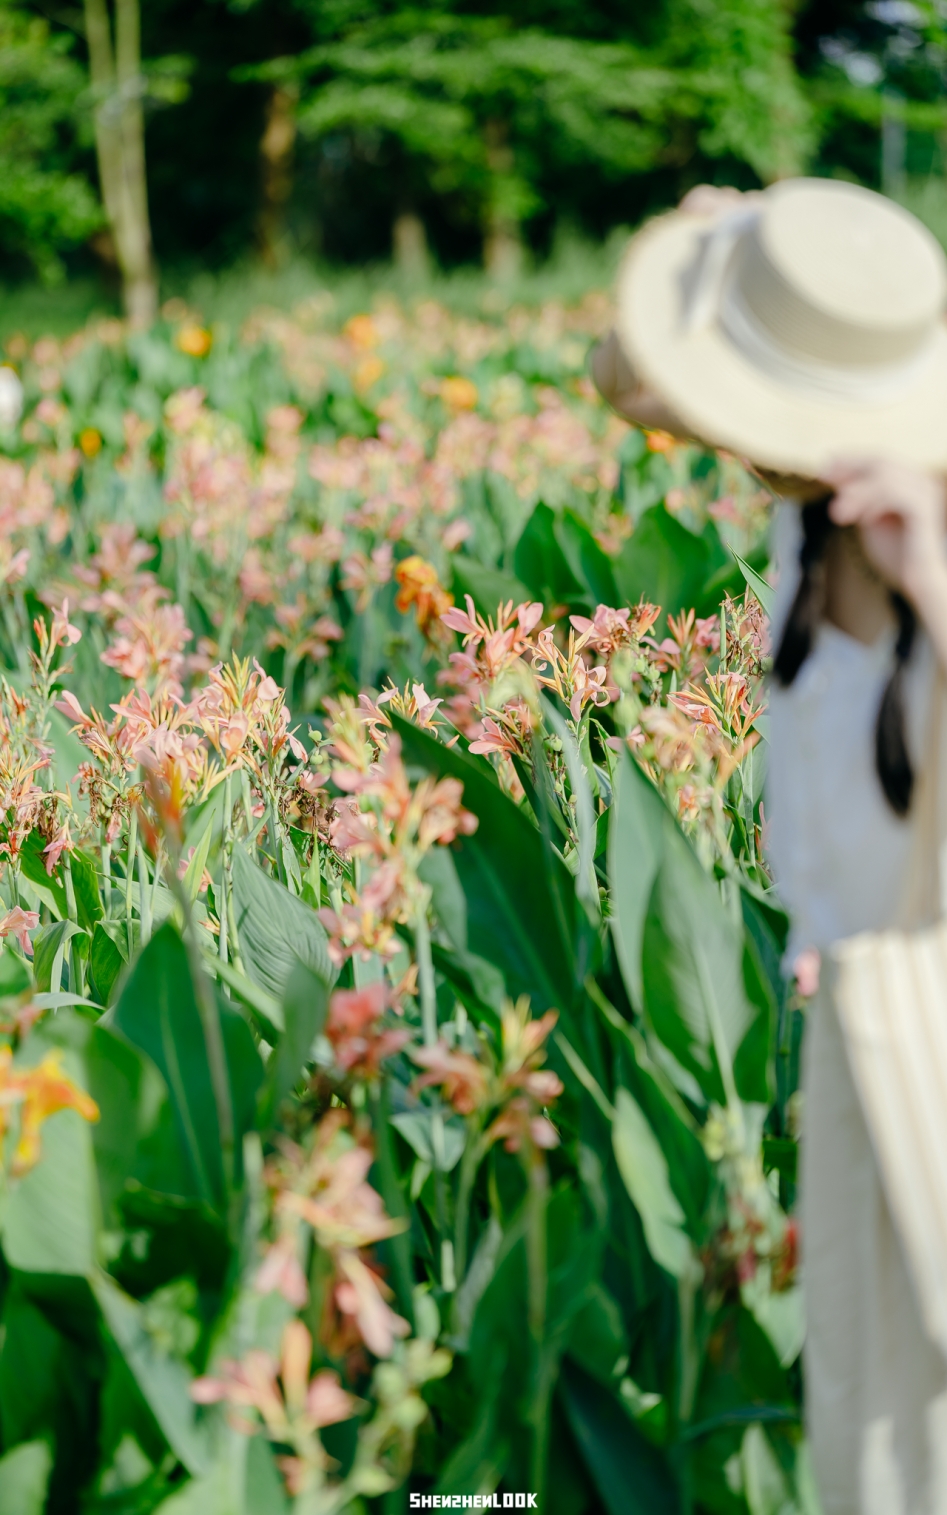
(900, 514)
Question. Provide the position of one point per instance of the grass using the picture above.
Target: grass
(574, 267)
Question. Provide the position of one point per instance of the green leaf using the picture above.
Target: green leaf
(108, 956)
(638, 820)
(590, 565)
(488, 587)
(49, 949)
(195, 868)
(266, 1011)
(50, 889)
(598, 1340)
(542, 564)
(662, 562)
(135, 1137)
(305, 1006)
(275, 930)
(631, 1475)
(49, 1220)
(764, 592)
(158, 1012)
(85, 884)
(693, 969)
(24, 1476)
(520, 900)
(164, 1380)
(644, 1170)
(15, 975)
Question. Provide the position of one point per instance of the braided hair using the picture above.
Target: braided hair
(892, 761)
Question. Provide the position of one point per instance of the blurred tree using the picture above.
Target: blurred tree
(118, 88)
(499, 114)
(45, 206)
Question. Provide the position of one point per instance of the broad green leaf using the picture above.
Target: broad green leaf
(644, 1170)
(598, 1340)
(694, 990)
(663, 562)
(637, 825)
(15, 975)
(415, 1127)
(305, 1005)
(267, 1012)
(275, 930)
(24, 1476)
(164, 1381)
(590, 565)
(85, 883)
(108, 956)
(543, 565)
(158, 1012)
(50, 1215)
(50, 945)
(438, 871)
(50, 888)
(135, 1137)
(488, 587)
(520, 902)
(764, 1482)
(631, 1476)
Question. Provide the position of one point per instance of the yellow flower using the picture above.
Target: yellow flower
(360, 331)
(459, 393)
(196, 341)
(39, 1092)
(367, 372)
(90, 441)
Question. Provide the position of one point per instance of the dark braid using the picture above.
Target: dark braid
(803, 620)
(892, 762)
(891, 752)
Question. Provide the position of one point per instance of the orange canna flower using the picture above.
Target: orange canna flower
(37, 1093)
(196, 341)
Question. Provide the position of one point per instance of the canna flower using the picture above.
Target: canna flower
(19, 923)
(325, 1189)
(62, 633)
(353, 1028)
(420, 587)
(35, 1094)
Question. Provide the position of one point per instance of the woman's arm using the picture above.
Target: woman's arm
(902, 518)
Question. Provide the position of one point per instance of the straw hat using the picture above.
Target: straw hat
(803, 324)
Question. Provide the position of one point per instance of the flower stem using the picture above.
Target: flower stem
(225, 881)
(537, 1200)
(129, 874)
(144, 898)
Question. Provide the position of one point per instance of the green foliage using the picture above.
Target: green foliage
(45, 206)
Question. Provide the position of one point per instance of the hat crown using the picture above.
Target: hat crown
(840, 275)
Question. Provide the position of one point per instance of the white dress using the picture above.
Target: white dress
(876, 1386)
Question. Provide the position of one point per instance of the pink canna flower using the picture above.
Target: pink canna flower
(62, 632)
(61, 842)
(20, 923)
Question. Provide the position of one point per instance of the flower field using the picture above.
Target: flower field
(397, 1076)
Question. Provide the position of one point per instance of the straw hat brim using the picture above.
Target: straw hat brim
(724, 399)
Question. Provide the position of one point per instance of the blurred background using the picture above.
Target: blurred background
(149, 148)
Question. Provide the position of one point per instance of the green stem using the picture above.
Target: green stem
(537, 1201)
(129, 875)
(144, 897)
(425, 962)
(223, 903)
(107, 878)
(75, 962)
(393, 1196)
(475, 1150)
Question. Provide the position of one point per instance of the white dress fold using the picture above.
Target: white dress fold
(876, 1386)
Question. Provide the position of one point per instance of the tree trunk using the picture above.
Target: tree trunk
(502, 244)
(120, 149)
(409, 245)
(276, 161)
